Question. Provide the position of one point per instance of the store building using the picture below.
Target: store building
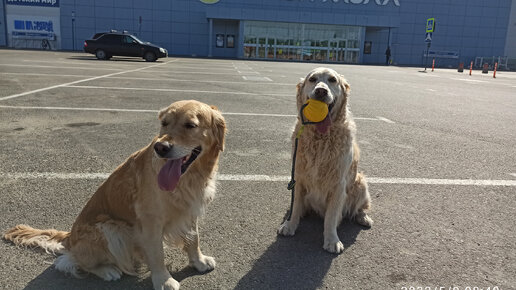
(341, 31)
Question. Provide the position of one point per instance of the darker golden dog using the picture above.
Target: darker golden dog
(155, 196)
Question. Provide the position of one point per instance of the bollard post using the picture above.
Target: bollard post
(470, 67)
(433, 64)
(494, 73)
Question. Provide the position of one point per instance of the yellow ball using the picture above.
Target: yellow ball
(315, 111)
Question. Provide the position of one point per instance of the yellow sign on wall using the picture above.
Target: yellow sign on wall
(209, 1)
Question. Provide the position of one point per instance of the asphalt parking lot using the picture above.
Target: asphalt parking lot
(438, 149)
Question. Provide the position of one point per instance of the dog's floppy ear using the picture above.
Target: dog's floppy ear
(162, 112)
(218, 127)
(300, 86)
(345, 85)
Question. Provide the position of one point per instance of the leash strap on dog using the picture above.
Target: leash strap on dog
(292, 183)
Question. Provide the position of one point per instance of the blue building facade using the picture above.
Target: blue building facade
(341, 31)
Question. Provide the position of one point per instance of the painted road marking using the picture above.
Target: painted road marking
(155, 79)
(174, 90)
(385, 120)
(80, 81)
(468, 80)
(60, 67)
(282, 178)
(256, 78)
(155, 111)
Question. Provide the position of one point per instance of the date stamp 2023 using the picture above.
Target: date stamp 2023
(450, 288)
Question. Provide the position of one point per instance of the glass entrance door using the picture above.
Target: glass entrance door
(261, 47)
(310, 42)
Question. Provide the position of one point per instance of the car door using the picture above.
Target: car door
(112, 44)
(131, 47)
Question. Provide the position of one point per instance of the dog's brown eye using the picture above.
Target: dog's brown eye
(164, 123)
(190, 125)
(332, 80)
(312, 79)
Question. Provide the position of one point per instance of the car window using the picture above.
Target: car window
(111, 38)
(128, 39)
(97, 35)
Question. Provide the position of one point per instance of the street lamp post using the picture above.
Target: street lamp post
(73, 30)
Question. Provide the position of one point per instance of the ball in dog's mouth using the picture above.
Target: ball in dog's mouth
(170, 173)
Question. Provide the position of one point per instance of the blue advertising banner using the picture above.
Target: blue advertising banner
(39, 3)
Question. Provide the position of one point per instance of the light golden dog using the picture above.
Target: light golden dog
(155, 196)
(326, 171)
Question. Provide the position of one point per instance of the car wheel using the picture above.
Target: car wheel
(149, 56)
(101, 54)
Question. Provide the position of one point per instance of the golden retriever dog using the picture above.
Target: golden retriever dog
(155, 196)
(326, 171)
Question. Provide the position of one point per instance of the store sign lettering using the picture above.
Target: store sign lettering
(378, 2)
(44, 3)
(34, 25)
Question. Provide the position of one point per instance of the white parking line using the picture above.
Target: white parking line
(174, 90)
(60, 67)
(274, 178)
(385, 120)
(468, 80)
(80, 81)
(155, 111)
(156, 79)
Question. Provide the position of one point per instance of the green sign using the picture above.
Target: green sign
(430, 25)
(209, 1)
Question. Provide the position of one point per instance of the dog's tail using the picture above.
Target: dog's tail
(49, 240)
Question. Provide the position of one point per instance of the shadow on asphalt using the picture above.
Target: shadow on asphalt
(298, 262)
(124, 59)
(53, 279)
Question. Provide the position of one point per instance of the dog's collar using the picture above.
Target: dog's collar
(192, 158)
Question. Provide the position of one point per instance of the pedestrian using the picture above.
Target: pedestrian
(387, 55)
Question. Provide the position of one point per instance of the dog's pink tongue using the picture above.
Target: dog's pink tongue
(324, 125)
(169, 174)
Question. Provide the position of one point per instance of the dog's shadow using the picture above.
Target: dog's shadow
(53, 279)
(298, 262)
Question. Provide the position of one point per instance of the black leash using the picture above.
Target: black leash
(292, 184)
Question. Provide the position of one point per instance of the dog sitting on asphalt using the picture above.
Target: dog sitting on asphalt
(155, 196)
(327, 180)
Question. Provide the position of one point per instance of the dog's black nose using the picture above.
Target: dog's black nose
(162, 148)
(321, 93)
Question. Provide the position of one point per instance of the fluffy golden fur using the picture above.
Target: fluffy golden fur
(130, 216)
(326, 172)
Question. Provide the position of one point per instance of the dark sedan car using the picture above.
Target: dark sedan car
(107, 44)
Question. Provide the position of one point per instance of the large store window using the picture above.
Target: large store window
(295, 41)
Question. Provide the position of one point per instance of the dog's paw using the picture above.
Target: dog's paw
(205, 263)
(108, 272)
(164, 283)
(287, 229)
(334, 247)
(364, 220)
